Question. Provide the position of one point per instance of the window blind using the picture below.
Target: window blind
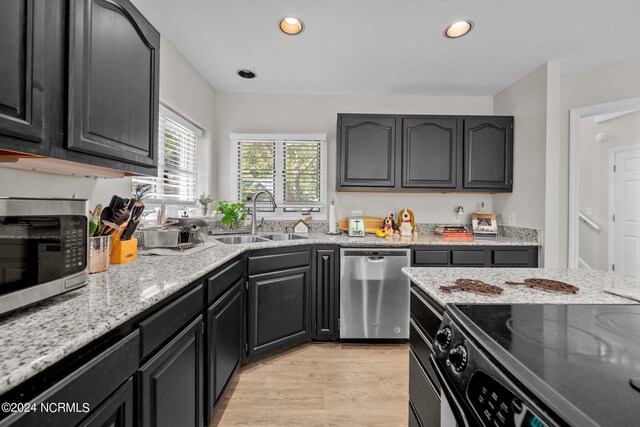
(291, 167)
(177, 160)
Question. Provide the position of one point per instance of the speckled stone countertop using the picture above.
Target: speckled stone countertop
(592, 284)
(35, 338)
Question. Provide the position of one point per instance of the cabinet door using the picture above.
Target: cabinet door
(113, 82)
(367, 151)
(429, 152)
(278, 310)
(171, 382)
(117, 411)
(31, 70)
(488, 153)
(224, 342)
(325, 294)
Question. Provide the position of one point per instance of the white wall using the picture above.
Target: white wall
(317, 113)
(181, 89)
(526, 100)
(594, 173)
(607, 84)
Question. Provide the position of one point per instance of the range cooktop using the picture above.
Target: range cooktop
(581, 356)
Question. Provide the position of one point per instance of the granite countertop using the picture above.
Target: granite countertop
(592, 284)
(35, 338)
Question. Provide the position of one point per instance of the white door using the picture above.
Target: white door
(626, 226)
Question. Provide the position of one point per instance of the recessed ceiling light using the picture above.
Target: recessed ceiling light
(291, 25)
(246, 74)
(458, 29)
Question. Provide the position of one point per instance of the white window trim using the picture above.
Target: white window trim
(279, 213)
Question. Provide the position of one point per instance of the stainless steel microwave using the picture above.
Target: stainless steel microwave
(43, 249)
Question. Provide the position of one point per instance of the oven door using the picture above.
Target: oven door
(452, 412)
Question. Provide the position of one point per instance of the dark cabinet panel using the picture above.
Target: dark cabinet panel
(367, 148)
(224, 342)
(278, 310)
(90, 384)
(429, 152)
(31, 70)
(488, 153)
(170, 383)
(325, 294)
(423, 395)
(113, 85)
(469, 257)
(117, 411)
(481, 256)
(223, 279)
(277, 260)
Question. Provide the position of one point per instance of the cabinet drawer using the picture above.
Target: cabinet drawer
(275, 262)
(424, 315)
(163, 325)
(423, 395)
(90, 384)
(422, 349)
(223, 280)
(473, 257)
(510, 257)
(431, 257)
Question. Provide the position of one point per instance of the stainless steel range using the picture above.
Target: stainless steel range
(374, 294)
(539, 365)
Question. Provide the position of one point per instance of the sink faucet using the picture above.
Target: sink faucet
(254, 211)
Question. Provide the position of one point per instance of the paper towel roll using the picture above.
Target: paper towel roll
(332, 217)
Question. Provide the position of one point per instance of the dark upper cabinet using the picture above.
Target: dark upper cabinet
(31, 70)
(171, 382)
(278, 310)
(488, 153)
(367, 147)
(325, 293)
(113, 83)
(429, 152)
(225, 321)
(424, 153)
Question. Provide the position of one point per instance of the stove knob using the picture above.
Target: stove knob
(458, 358)
(443, 337)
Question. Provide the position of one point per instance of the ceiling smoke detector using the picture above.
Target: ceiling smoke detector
(458, 29)
(291, 25)
(246, 74)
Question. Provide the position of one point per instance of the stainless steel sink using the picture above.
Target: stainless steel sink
(284, 236)
(237, 240)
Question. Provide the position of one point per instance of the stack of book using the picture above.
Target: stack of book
(453, 232)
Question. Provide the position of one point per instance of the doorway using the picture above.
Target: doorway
(595, 133)
(625, 220)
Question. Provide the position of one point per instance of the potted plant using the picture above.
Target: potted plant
(232, 213)
(141, 192)
(204, 202)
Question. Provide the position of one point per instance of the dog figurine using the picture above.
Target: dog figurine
(389, 225)
(406, 222)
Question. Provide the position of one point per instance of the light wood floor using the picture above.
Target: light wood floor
(321, 385)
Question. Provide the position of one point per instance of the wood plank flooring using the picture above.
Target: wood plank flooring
(321, 384)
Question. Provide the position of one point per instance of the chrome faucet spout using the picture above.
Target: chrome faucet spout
(253, 211)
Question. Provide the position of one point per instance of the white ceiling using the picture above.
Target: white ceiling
(393, 46)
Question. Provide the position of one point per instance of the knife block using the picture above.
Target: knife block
(124, 251)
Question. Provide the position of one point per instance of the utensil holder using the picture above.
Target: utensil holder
(124, 251)
(99, 250)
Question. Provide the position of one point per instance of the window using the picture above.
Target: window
(291, 166)
(176, 181)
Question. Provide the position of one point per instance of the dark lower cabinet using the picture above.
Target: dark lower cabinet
(225, 321)
(117, 411)
(475, 256)
(31, 70)
(488, 153)
(171, 382)
(422, 395)
(113, 82)
(278, 310)
(325, 293)
(413, 418)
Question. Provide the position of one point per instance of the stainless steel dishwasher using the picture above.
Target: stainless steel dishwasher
(374, 294)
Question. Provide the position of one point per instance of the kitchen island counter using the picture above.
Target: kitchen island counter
(591, 283)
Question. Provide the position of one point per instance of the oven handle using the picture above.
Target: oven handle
(458, 411)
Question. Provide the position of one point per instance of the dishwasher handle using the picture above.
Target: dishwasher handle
(375, 259)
